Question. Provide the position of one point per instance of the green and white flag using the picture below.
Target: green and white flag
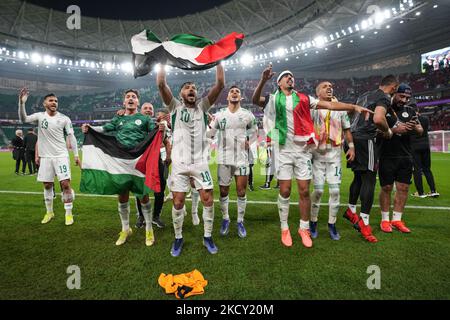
(184, 51)
(109, 168)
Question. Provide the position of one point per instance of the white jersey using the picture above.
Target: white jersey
(51, 139)
(329, 149)
(232, 130)
(189, 142)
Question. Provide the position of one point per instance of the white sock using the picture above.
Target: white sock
(177, 219)
(384, 216)
(241, 205)
(68, 207)
(333, 204)
(283, 210)
(304, 225)
(224, 207)
(147, 212)
(315, 204)
(124, 213)
(195, 196)
(397, 216)
(48, 199)
(352, 207)
(136, 204)
(208, 219)
(365, 218)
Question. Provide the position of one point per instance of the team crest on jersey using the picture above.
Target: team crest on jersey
(138, 122)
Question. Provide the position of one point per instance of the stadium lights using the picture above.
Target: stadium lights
(371, 23)
(246, 59)
(47, 59)
(36, 57)
(319, 41)
(127, 66)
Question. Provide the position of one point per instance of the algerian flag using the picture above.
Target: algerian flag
(109, 168)
(184, 51)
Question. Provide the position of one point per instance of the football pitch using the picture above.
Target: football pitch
(35, 257)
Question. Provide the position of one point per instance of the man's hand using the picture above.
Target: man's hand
(37, 160)
(85, 128)
(120, 112)
(77, 161)
(168, 160)
(162, 126)
(23, 95)
(267, 74)
(350, 154)
(401, 128)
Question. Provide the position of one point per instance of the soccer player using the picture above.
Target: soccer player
(130, 129)
(396, 159)
(270, 165)
(287, 119)
(367, 151)
(235, 129)
(326, 159)
(52, 151)
(190, 148)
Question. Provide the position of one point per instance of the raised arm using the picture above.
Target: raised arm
(72, 141)
(379, 118)
(266, 75)
(164, 90)
(23, 117)
(218, 87)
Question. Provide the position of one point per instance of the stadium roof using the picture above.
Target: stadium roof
(267, 24)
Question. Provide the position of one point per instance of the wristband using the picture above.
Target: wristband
(351, 145)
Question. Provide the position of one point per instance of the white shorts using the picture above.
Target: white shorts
(51, 167)
(181, 174)
(294, 165)
(225, 173)
(330, 172)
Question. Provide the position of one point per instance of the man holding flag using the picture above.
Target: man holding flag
(287, 120)
(191, 149)
(132, 129)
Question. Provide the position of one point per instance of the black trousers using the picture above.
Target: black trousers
(29, 156)
(363, 187)
(159, 197)
(20, 157)
(422, 165)
(250, 176)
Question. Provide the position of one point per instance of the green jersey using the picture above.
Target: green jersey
(130, 129)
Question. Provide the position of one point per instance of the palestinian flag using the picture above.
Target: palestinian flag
(109, 168)
(183, 51)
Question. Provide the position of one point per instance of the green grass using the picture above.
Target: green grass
(35, 257)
